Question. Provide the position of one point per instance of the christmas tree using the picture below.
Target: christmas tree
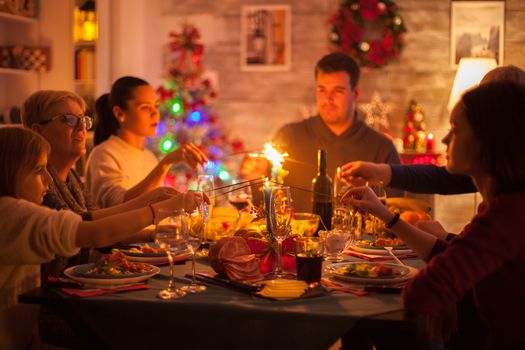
(186, 113)
(414, 133)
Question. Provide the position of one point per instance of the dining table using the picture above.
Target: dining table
(223, 317)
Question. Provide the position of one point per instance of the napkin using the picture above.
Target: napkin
(333, 286)
(100, 291)
(374, 257)
(265, 250)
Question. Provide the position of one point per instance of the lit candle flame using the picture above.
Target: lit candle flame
(272, 154)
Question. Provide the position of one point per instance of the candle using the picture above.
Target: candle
(267, 191)
(430, 143)
(275, 174)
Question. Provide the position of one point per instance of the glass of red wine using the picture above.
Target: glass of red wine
(240, 196)
(309, 258)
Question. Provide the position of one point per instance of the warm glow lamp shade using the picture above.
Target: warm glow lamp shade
(470, 71)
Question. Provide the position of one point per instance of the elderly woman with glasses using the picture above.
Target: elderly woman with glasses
(60, 117)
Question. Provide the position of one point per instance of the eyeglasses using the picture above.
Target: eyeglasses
(72, 120)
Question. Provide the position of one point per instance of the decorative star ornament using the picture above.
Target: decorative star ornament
(376, 112)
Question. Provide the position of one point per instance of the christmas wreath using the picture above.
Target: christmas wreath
(348, 31)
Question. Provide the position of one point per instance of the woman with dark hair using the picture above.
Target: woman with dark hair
(120, 167)
(488, 256)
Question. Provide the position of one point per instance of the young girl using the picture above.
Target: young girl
(119, 167)
(32, 234)
(486, 143)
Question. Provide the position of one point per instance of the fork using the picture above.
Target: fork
(394, 257)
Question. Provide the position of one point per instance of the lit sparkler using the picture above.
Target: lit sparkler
(273, 155)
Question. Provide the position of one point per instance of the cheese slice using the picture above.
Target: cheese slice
(283, 289)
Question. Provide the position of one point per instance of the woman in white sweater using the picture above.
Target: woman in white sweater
(32, 234)
(120, 167)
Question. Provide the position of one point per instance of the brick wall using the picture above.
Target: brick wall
(257, 103)
(253, 105)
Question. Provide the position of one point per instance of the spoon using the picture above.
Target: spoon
(394, 257)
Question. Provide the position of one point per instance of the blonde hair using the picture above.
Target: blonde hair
(38, 107)
(20, 151)
(508, 72)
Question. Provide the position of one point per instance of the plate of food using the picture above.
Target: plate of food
(380, 243)
(372, 272)
(151, 253)
(112, 269)
(370, 244)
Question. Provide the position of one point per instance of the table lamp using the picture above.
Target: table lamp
(470, 72)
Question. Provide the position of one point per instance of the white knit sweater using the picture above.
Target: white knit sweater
(29, 235)
(114, 167)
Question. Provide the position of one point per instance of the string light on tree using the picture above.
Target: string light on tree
(167, 145)
(176, 107)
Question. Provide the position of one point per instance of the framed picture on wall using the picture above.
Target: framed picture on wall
(265, 38)
(477, 29)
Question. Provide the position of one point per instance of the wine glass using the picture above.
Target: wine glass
(168, 236)
(192, 242)
(344, 216)
(240, 196)
(280, 218)
(335, 242)
(205, 184)
(341, 186)
(379, 190)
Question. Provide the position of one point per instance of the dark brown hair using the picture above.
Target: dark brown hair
(122, 90)
(20, 151)
(496, 113)
(339, 62)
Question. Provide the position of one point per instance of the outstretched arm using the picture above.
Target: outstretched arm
(115, 228)
(188, 153)
(155, 195)
(429, 178)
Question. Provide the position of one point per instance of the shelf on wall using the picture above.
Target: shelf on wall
(18, 18)
(14, 71)
(85, 43)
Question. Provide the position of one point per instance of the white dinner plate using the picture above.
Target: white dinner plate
(77, 273)
(380, 250)
(406, 272)
(153, 258)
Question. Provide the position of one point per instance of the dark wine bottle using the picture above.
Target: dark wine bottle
(322, 196)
